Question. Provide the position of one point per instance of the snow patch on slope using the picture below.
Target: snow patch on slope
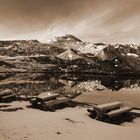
(68, 55)
(91, 48)
(132, 55)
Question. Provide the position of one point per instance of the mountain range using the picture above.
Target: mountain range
(68, 54)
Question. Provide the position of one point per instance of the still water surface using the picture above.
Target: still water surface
(35, 83)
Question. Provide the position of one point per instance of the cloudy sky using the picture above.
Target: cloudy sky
(109, 21)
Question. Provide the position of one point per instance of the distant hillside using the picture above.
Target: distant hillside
(69, 54)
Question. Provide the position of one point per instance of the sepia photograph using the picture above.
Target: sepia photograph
(69, 69)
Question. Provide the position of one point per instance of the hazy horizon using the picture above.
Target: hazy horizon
(108, 21)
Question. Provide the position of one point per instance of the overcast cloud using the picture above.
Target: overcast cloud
(108, 21)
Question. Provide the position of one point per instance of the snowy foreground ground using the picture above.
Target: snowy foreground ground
(69, 123)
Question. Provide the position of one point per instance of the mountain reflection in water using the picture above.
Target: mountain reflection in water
(35, 83)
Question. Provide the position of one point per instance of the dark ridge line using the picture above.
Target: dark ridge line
(78, 73)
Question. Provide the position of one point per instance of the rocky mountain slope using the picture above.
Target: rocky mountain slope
(68, 54)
